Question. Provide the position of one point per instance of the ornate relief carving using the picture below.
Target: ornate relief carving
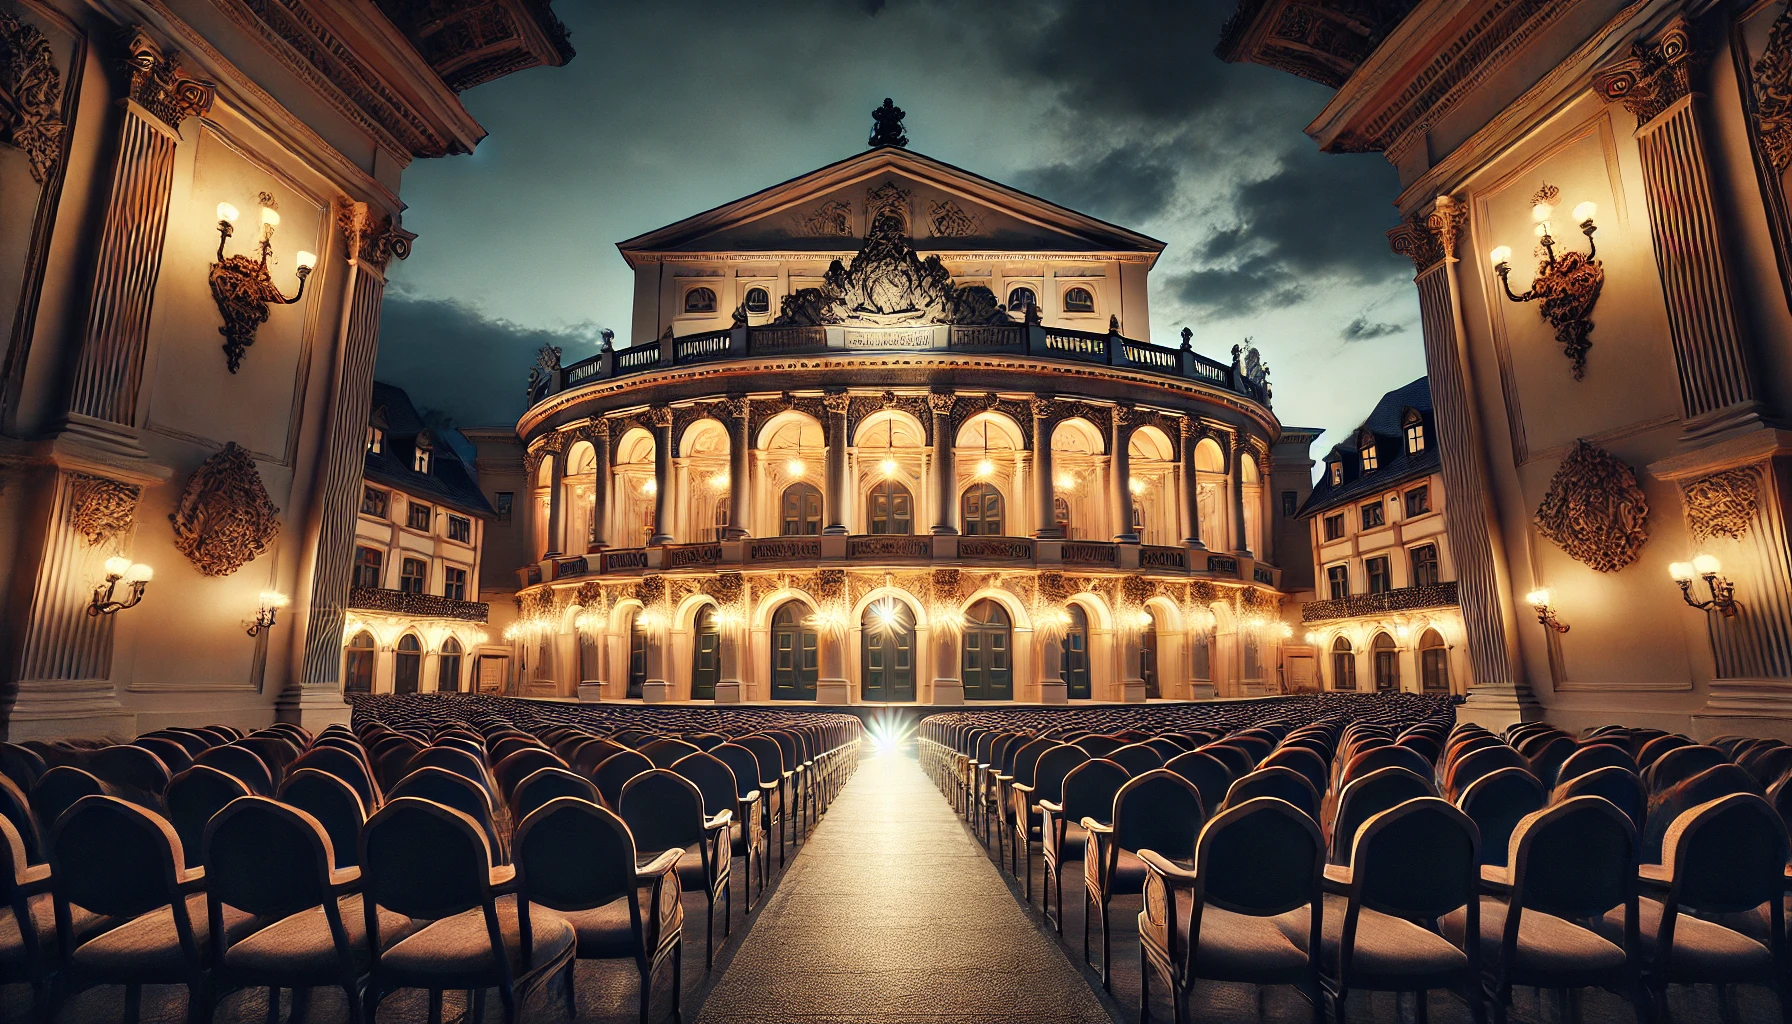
(1773, 93)
(887, 284)
(650, 589)
(1723, 504)
(949, 220)
(102, 508)
(1594, 509)
(736, 408)
(829, 220)
(30, 96)
(224, 518)
(1415, 240)
(888, 198)
(372, 240)
(1654, 77)
(1448, 215)
(160, 85)
(660, 416)
(836, 403)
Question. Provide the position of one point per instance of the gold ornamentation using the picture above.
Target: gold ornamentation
(1137, 589)
(1445, 221)
(371, 240)
(1654, 77)
(1415, 240)
(1723, 504)
(1773, 93)
(725, 587)
(590, 595)
(1567, 284)
(161, 86)
(102, 508)
(1594, 509)
(225, 518)
(650, 589)
(30, 96)
(829, 584)
(243, 290)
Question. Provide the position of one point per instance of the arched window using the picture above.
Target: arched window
(887, 652)
(408, 666)
(801, 511)
(719, 518)
(448, 667)
(357, 673)
(981, 508)
(796, 661)
(1138, 518)
(892, 510)
(1020, 299)
(988, 653)
(1343, 665)
(1387, 663)
(706, 654)
(1413, 425)
(1434, 663)
(1201, 660)
(637, 656)
(1061, 514)
(1148, 658)
(1075, 670)
(700, 300)
(758, 300)
(1079, 300)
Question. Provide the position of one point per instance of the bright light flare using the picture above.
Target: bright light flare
(985, 468)
(888, 467)
(889, 730)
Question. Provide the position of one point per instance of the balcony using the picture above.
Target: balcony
(1406, 599)
(423, 606)
(1023, 340)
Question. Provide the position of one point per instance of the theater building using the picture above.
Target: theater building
(891, 431)
(1386, 616)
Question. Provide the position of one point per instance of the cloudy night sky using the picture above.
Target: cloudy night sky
(1118, 109)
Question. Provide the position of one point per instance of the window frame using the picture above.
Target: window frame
(405, 575)
(1412, 429)
(801, 524)
(983, 490)
(421, 460)
(358, 663)
(383, 501)
(410, 516)
(1386, 574)
(1434, 562)
(449, 583)
(1423, 493)
(1343, 665)
(1032, 293)
(1337, 473)
(891, 489)
(505, 506)
(1064, 301)
(460, 528)
(1374, 510)
(376, 440)
(690, 291)
(1327, 524)
(377, 563)
(1337, 581)
(1369, 457)
(746, 300)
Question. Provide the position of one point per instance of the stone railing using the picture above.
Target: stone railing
(1406, 599)
(427, 606)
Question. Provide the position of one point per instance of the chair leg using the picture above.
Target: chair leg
(133, 1003)
(355, 1015)
(572, 994)
(199, 1001)
(677, 984)
(274, 1005)
(1144, 986)
(1421, 1010)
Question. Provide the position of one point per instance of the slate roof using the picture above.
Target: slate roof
(1395, 466)
(450, 480)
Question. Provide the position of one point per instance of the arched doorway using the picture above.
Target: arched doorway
(1434, 663)
(1148, 658)
(357, 670)
(637, 656)
(448, 667)
(1387, 663)
(706, 654)
(891, 509)
(408, 667)
(988, 653)
(801, 511)
(981, 511)
(1343, 665)
(796, 662)
(1075, 659)
(887, 652)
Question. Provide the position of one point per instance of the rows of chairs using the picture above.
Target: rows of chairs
(439, 845)
(1346, 845)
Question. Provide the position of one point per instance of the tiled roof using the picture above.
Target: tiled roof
(1395, 465)
(449, 481)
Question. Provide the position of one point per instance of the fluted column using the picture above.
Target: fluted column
(1266, 533)
(1241, 541)
(1044, 476)
(556, 504)
(945, 467)
(1120, 461)
(1191, 484)
(662, 474)
(600, 489)
(836, 405)
(740, 484)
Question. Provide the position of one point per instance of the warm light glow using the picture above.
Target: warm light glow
(1066, 481)
(730, 617)
(116, 566)
(1285, 630)
(888, 466)
(1135, 485)
(650, 487)
(305, 260)
(1706, 565)
(1313, 639)
(651, 618)
(719, 480)
(1543, 230)
(1403, 631)
(1538, 598)
(985, 468)
(227, 212)
(884, 615)
(273, 599)
(1681, 571)
(1542, 211)
(1585, 212)
(795, 467)
(1501, 254)
(271, 218)
(139, 573)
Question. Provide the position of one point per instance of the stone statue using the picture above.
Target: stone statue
(886, 128)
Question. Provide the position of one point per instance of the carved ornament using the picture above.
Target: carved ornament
(101, 508)
(371, 240)
(836, 402)
(941, 402)
(726, 587)
(660, 416)
(1773, 93)
(1723, 504)
(886, 126)
(1594, 509)
(831, 219)
(30, 96)
(1041, 408)
(1654, 77)
(224, 518)
(1429, 238)
(160, 85)
(650, 589)
(543, 374)
(949, 220)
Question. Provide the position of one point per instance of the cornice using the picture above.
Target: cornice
(956, 255)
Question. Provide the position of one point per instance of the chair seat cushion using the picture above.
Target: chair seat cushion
(1075, 838)
(1548, 946)
(1702, 950)
(43, 921)
(299, 950)
(690, 871)
(1239, 947)
(1386, 947)
(603, 932)
(457, 951)
(147, 948)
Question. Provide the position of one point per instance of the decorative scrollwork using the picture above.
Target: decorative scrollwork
(101, 508)
(950, 220)
(829, 220)
(1773, 93)
(161, 86)
(1723, 504)
(1594, 509)
(1654, 77)
(30, 96)
(371, 240)
(225, 518)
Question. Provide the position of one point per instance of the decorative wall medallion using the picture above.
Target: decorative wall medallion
(30, 96)
(224, 518)
(102, 508)
(950, 220)
(829, 220)
(161, 86)
(1594, 509)
(1773, 93)
(1722, 504)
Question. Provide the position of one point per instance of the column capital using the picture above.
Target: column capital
(737, 408)
(1124, 414)
(1655, 75)
(836, 402)
(1042, 407)
(1186, 427)
(160, 85)
(1429, 236)
(372, 239)
(660, 416)
(599, 427)
(941, 402)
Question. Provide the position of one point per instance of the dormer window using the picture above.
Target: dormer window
(376, 440)
(700, 300)
(1337, 474)
(420, 461)
(1370, 461)
(758, 300)
(1413, 426)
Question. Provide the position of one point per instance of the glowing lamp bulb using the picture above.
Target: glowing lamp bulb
(650, 487)
(1542, 211)
(795, 467)
(1706, 565)
(1065, 481)
(269, 217)
(227, 212)
(1585, 212)
(1402, 631)
(1543, 230)
(1502, 254)
(305, 260)
(273, 599)
(985, 468)
(1135, 485)
(1538, 598)
(888, 466)
(139, 573)
(719, 480)
(116, 566)
(1313, 639)
(1681, 571)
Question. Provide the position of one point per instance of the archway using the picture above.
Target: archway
(637, 656)
(1434, 663)
(887, 652)
(1076, 654)
(799, 510)
(1078, 468)
(706, 654)
(1343, 664)
(634, 487)
(796, 653)
(408, 666)
(1387, 663)
(448, 667)
(357, 673)
(988, 644)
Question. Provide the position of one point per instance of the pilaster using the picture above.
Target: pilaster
(945, 469)
(740, 484)
(1120, 477)
(662, 474)
(599, 432)
(836, 405)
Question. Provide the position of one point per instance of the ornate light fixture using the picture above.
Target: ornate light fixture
(1722, 588)
(1567, 283)
(1539, 600)
(241, 285)
(119, 570)
(271, 603)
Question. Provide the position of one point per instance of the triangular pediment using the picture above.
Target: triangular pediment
(947, 210)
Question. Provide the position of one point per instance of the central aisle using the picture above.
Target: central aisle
(893, 913)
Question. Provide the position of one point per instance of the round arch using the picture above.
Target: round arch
(705, 436)
(915, 608)
(879, 429)
(634, 447)
(1077, 436)
(1004, 432)
(687, 610)
(1151, 444)
(1017, 612)
(791, 429)
(581, 459)
(1209, 456)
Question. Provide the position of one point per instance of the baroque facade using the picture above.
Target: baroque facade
(831, 467)
(1594, 197)
(198, 206)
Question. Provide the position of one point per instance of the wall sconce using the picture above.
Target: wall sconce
(1539, 600)
(271, 603)
(119, 570)
(1723, 590)
(1567, 283)
(241, 285)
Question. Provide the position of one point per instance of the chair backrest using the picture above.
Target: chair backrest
(456, 791)
(334, 804)
(22, 765)
(1237, 758)
(664, 811)
(1768, 763)
(1616, 784)
(267, 858)
(1026, 759)
(1422, 743)
(1679, 764)
(587, 754)
(1547, 758)
(1575, 859)
(1416, 860)
(1496, 802)
(1368, 796)
(1656, 745)
(1089, 789)
(194, 796)
(424, 860)
(1166, 747)
(770, 757)
(1466, 769)
(1209, 775)
(15, 807)
(345, 765)
(742, 763)
(1278, 782)
(452, 759)
(114, 858)
(1264, 857)
(1161, 811)
(547, 784)
(506, 745)
(573, 855)
(667, 752)
(245, 764)
(1308, 762)
(58, 789)
(1054, 764)
(615, 772)
(1594, 756)
(174, 757)
(1728, 855)
(1099, 745)
(276, 750)
(1377, 758)
(1137, 758)
(132, 771)
(1666, 806)
(521, 763)
(713, 778)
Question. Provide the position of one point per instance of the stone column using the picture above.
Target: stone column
(836, 404)
(556, 503)
(831, 685)
(1500, 694)
(1655, 82)
(1191, 484)
(1052, 688)
(1241, 541)
(655, 688)
(948, 688)
(600, 483)
(732, 637)
(740, 483)
(372, 240)
(1266, 509)
(1120, 474)
(662, 474)
(1044, 476)
(945, 465)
